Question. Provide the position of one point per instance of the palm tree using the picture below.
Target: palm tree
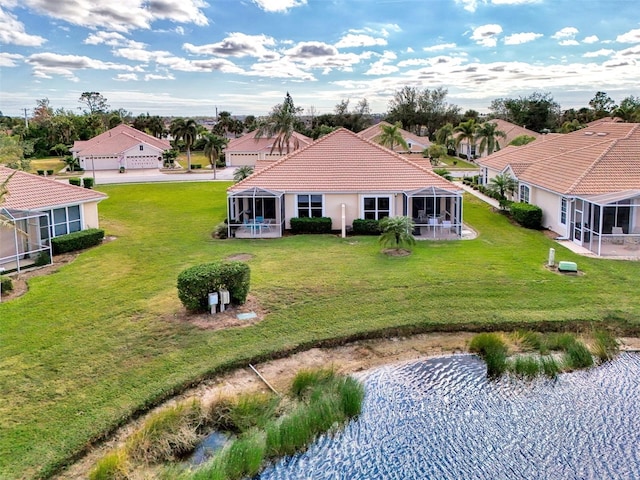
(488, 134)
(4, 190)
(502, 184)
(241, 173)
(444, 136)
(391, 136)
(185, 130)
(213, 146)
(467, 132)
(281, 124)
(397, 231)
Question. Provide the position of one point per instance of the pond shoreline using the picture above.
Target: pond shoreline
(354, 357)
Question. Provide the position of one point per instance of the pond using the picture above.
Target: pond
(442, 419)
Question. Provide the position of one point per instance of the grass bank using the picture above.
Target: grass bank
(97, 343)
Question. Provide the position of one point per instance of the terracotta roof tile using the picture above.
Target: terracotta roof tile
(418, 144)
(249, 143)
(33, 192)
(117, 140)
(343, 162)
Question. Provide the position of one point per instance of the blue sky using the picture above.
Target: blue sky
(187, 57)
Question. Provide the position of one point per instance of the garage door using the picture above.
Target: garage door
(100, 163)
(142, 162)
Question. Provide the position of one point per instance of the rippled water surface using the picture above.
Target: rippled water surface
(441, 419)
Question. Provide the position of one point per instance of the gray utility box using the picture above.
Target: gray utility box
(225, 299)
(213, 301)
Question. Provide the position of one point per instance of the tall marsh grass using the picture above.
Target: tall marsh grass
(493, 351)
(605, 346)
(113, 466)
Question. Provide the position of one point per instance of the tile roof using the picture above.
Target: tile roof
(512, 131)
(418, 144)
(343, 162)
(598, 159)
(249, 143)
(33, 192)
(116, 141)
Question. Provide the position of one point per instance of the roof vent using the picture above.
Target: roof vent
(602, 134)
(588, 133)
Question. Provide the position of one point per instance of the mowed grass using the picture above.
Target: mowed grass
(97, 342)
(50, 163)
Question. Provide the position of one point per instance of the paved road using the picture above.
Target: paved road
(104, 177)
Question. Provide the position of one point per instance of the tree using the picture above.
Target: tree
(213, 147)
(391, 136)
(488, 134)
(444, 136)
(12, 152)
(281, 124)
(535, 112)
(94, 102)
(241, 173)
(403, 107)
(185, 130)
(396, 232)
(522, 140)
(467, 132)
(629, 109)
(502, 184)
(4, 191)
(434, 152)
(250, 123)
(602, 105)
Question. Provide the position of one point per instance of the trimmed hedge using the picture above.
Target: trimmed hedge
(75, 181)
(311, 225)
(527, 215)
(87, 182)
(77, 240)
(6, 284)
(366, 227)
(195, 283)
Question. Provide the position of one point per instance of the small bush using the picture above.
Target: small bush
(87, 182)
(527, 215)
(6, 284)
(578, 356)
(605, 346)
(77, 240)
(42, 259)
(168, 434)
(40, 172)
(220, 231)
(113, 466)
(301, 225)
(196, 166)
(366, 227)
(492, 350)
(75, 181)
(49, 172)
(195, 283)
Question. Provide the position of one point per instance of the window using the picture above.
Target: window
(66, 220)
(524, 193)
(141, 148)
(376, 208)
(563, 211)
(309, 205)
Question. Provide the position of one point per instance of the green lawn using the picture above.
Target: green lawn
(50, 163)
(96, 342)
(459, 163)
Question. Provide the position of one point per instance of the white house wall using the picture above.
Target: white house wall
(242, 159)
(90, 215)
(549, 202)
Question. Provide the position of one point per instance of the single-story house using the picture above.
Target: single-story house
(345, 177)
(41, 209)
(586, 182)
(122, 146)
(511, 131)
(415, 143)
(247, 150)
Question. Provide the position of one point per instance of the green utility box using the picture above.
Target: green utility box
(567, 267)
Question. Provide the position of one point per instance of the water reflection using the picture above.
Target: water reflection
(441, 419)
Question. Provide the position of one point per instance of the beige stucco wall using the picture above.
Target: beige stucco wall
(7, 242)
(550, 204)
(333, 207)
(90, 215)
(240, 159)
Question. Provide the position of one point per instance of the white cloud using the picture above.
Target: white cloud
(468, 5)
(487, 35)
(12, 32)
(237, 45)
(591, 39)
(381, 68)
(118, 15)
(632, 36)
(8, 59)
(108, 38)
(440, 47)
(472, 5)
(47, 64)
(566, 32)
(568, 43)
(279, 5)
(353, 40)
(126, 77)
(599, 53)
(520, 38)
(154, 76)
(409, 50)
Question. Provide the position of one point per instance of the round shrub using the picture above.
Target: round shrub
(195, 283)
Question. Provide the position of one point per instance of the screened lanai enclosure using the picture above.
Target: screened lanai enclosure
(436, 213)
(24, 240)
(607, 224)
(255, 213)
